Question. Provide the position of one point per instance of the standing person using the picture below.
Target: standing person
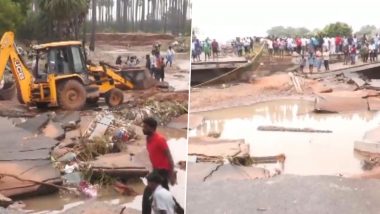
(160, 158)
(302, 63)
(346, 53)
(148, 63)
(353, 54)
(326, 58)
(207, 49)
(162, 69)
(270, 46)
(153, 63)
(158, 66)
(162, 199)
(311, 62)
(372, 52)
(215, 47)
(364, 52)
(170, 56)
(298, 45)
(318, 59)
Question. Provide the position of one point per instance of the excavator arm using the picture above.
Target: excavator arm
(21, 75)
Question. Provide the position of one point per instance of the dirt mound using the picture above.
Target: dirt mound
(134, 39)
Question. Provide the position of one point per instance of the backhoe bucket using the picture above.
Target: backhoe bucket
(140, 77)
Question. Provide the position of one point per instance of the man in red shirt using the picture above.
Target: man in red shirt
(160, 158)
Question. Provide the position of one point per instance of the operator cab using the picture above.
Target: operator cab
(60, 58)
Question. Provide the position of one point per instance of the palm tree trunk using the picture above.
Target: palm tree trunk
(93, 26)
(125, 15)
(184, 15)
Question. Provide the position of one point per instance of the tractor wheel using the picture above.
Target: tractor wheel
(71, 95)
(114, 97)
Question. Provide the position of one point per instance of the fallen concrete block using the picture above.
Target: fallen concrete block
(101, 125)
(367, 146)
(336, 104)
(118, 165)
(357, 81)
(36, 170)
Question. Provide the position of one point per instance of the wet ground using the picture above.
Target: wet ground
(58, 203)
(306, 153)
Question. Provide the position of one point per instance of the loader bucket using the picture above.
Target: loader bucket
(140, 77)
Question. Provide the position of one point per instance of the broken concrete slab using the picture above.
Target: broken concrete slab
(285, 194)
(374, 84)
(199, 172)
(195, 121)
(118, 165)
(336, 104)
(179, 122)
(36, 170)
(367, 146)
(374, 103)
(357, 81)
(35, 124)
(54, 130)
(103, 121)
(68, 119)
(230, 172)
(211, 147)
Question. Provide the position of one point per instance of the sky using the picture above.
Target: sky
(226, 19)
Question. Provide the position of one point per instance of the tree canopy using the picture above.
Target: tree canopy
(369, 30)
(280, 31)
(11, 15)
(338, 28)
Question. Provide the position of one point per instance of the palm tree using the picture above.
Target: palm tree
(65, 15)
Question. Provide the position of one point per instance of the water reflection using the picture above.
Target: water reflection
(307, 153)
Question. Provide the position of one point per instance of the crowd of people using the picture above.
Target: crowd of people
(240, 47)
(155, 61)
(316, 50)
(207, 47)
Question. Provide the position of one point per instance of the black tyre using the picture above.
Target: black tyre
(71, 95)
(114, 97)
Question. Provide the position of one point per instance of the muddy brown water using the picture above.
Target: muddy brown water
(58, 203)
(306, 153)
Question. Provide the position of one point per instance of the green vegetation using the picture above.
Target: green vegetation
(330, 30)
(51, 20)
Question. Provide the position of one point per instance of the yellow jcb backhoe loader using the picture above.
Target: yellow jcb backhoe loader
(59, 76)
